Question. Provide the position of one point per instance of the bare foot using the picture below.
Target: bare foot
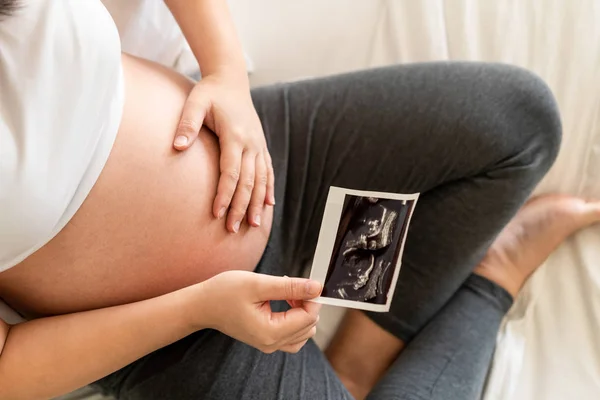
(526, 242)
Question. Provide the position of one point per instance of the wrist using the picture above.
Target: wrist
(230, 76)
(193, 308)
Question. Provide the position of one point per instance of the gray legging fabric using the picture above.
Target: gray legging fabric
(474, 139)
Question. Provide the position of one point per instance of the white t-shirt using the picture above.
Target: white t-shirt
(61, 100)
(148, 30)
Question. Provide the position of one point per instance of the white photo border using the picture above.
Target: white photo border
(326, 242)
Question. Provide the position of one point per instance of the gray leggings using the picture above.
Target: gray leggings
(474, 139)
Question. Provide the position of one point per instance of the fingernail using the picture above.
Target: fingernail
(313, 288)
(257, 220)
(236, 226)
(221, 212)
(181, 141)
(272, 200)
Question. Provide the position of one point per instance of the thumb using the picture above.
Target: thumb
(284, 288)
(192, 118)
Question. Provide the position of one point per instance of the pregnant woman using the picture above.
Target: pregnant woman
(134, 263)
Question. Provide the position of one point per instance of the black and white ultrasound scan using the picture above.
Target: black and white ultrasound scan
(359, 252)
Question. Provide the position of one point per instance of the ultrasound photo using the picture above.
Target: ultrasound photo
(359, 253)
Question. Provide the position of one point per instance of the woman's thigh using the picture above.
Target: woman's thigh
(209, 365)
(473, 139)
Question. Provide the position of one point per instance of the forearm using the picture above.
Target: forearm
(208, 28)
(51, 356)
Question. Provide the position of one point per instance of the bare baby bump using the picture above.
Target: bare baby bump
(146, 228)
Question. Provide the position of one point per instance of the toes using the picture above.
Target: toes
(574, 212)
(592, 211)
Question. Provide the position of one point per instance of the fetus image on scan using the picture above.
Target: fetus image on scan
(367, 248)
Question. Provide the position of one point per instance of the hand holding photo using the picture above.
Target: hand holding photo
(359, 252)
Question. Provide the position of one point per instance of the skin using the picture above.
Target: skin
(221, 101)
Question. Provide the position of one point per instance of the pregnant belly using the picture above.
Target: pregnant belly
(146, 227)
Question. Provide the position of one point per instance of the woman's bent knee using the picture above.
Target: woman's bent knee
(532, 114)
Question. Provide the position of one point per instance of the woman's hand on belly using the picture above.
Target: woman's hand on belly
(246, 180)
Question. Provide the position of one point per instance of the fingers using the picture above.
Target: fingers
(303, 334)
(270, 195)
(294, 303)
(296, 345)
(190, 123)
(243, 192)
(283, 288)
(287, 338)
(311, 307)
(250, 193)
(286, 325)
(247, 181)
(299, 340)
(292, 323)
(231, 158)
(286, 330)
(257, 200)
(294, 348)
